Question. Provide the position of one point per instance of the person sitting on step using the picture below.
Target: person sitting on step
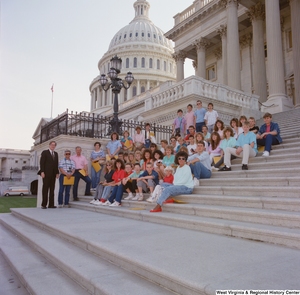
(214, 149)
(246, 148)
(147, 180)
(228, 141)
(117, 192)
(130, 183)
(200, 163)
(183, 182)
(268, 134)
(104, 188)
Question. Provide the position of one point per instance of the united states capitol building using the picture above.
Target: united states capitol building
(245, 55)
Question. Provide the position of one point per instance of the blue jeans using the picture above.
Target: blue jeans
(63, 188)
(199, 126)
(87, 180)
(267, 142)
(116, 194)
(200, 171)
(95, 177)
(173, 190)
(102, 192)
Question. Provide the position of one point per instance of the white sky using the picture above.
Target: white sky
(58, 41)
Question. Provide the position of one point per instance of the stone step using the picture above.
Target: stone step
(284, 203)
(247, 181)
(94, 273)
(285, 236)
(176, 258)
(267, 191)
(257, 173)
(253, 215)
(35, 272)
(278, 203)
(258, 163)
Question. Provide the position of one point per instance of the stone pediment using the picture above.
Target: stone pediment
(37, 131)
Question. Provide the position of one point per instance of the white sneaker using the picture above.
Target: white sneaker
(137, 196)
(115, 204)
(150, 200)
(196, 182)
(129, 197)
(97, 202)
(141, 197)
(107, 203)
(266, 154)
(93, 201)
(60, 206)
(214, 168)
(92, 189)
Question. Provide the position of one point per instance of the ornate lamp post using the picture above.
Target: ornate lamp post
(116, 84)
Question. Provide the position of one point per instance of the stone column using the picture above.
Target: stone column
(295, 13)
(138, 87)
(92, 99)
(222, 31)
(257, 16)
(277, 100)
(201, 45)
(98, 97)
(179, 59)
(129, 93)
(148, 85)
(233, 45)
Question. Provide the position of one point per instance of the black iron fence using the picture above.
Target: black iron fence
(94, 126)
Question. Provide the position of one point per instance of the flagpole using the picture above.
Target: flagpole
(52, 100)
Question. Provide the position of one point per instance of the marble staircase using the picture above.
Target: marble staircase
(238, 230)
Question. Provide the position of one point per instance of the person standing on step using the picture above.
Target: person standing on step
(268, 134)
(67, 168)
(211, 117)
(97, 156)
(199, 116)
(179, 124)
(81, 172)
(189, 118)
(246, 148)
(49, 172)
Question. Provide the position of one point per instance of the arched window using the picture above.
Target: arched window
(150, 63)
(165, 66)
(158, 64)
(127, 63)
(170, 68)
(134, 91)
(143, 62)
(142, 89)
(135, 62)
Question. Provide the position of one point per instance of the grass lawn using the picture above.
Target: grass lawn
(16, 202)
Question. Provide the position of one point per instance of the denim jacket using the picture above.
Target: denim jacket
(274, 126)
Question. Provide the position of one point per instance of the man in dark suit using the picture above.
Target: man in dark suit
(49, 172)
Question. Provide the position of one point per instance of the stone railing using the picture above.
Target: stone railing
(203, 88)
(178, 18)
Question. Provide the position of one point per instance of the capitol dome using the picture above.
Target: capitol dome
(141, 30)
(144, 51)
